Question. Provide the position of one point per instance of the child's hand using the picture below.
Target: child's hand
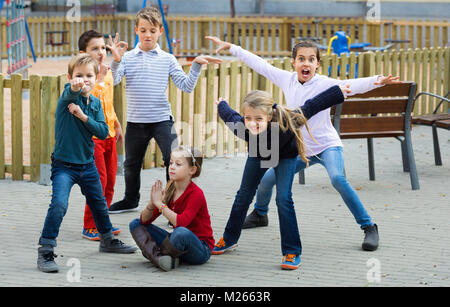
(117, 48)
(77, 112)
(157, 194)
(221, 45)
(76, 84)
(119, 134)
(103, 70)
(382, 80)
(205, 59)
(345, 89)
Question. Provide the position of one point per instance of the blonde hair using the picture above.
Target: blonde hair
(81, 60)
(194, 158)
(287, 118)
(151, 14)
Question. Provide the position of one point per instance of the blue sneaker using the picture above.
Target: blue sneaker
(91, 234)
(221, 247)
(290, 262)
(116, 231)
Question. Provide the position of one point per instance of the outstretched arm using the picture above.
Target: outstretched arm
(276, 75)
(332, 96)
(232, 119)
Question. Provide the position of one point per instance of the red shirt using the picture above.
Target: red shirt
(192, 213)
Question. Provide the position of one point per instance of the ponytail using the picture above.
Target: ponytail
(293, 120)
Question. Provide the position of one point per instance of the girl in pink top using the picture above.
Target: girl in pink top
(326, 147)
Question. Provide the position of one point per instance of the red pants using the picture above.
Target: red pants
(105, 154)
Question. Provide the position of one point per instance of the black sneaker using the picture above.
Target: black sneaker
(254, 219)
(371, 238)
(123, 206)
(46, 260)
(115, 246)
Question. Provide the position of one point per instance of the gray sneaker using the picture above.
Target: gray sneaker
(254, 219)
(45, 261)
(371, 238)
(115, 246)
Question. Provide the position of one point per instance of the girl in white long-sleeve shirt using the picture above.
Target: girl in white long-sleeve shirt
(326, 149)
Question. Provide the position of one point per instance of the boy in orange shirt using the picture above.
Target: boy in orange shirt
(105, 153)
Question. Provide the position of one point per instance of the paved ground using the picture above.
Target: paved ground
(413, 225)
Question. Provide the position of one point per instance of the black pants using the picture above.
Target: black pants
(137, 138)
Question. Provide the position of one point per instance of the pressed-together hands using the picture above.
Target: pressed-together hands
(157, 195)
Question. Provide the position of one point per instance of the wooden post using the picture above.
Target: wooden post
(16, 127)
(185, 115)
(220, 143)
(210, 74)
(2, 129)
(35, 127)
(49, 101)
(231, 144)
(244, 91)
(447, 74)
(121, 113)
(369, 64)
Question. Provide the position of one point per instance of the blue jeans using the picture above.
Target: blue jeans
(333, 160)
(197, 252)
(64, 176)
(283, 176)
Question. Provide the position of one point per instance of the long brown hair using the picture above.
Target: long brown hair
(194, 158)
(287, 118)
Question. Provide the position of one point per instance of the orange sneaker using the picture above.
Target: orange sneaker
(221, 247)
(290, 262)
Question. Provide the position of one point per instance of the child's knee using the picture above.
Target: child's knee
(58, 208)
(134, 224)
(338, 181)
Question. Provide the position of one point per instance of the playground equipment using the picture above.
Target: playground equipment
(55, 37)
(341, 43)
(17, 32)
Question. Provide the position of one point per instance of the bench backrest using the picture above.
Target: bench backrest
(381, 112)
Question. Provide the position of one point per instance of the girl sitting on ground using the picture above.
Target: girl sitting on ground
(184, 205)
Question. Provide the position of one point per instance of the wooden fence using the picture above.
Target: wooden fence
(267, 36)
(195, 114)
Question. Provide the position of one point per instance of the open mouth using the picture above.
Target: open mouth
(306, 73)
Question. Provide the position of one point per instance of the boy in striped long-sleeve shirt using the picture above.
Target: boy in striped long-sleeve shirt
(147, 69)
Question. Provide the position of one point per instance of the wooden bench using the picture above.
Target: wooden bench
(435, 120)
(382, 112)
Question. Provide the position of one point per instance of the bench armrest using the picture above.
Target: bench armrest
(436, 96)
